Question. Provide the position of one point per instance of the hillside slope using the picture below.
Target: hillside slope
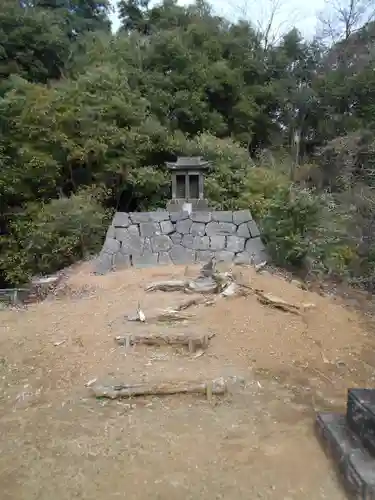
(258, 442)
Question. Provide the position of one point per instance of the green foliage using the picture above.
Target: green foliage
(289, 225)
(150, 186)
(302, 230)
(33, 44)
(82, 108)
(46, 237)
(74, 134)
(261, 186)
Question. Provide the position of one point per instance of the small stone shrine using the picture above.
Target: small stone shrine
(188, 184)
(187, 232)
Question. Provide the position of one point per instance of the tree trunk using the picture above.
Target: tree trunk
(121, 390)
(191, 341)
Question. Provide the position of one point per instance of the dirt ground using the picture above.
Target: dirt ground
(59, 442)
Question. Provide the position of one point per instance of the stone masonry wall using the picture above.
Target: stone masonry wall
(144, 239)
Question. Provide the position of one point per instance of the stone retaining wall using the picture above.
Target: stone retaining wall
(144, 239)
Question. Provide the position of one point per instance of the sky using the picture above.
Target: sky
(301, 14)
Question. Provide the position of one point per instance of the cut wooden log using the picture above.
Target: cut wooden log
(199, 285)
(170, 315)
(212, 387)
(168, 286)
(191, 341)
(167, 315)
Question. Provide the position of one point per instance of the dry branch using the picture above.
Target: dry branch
(234, 290)
(196, 301)
(139, 316)
(171, 314)
(203, 285)
(273, 301)
(217, 386)
(209, 268)
(259, 267)
(193, 342)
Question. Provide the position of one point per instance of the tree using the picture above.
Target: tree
(88, 122)
(79, 15)
(32, 44)
(133, 15)
(341, 18)
(271, 19)
(83, 108)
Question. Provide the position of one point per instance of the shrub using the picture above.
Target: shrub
(291, 218)
(302, 230)
(261, 187)
(47, 237)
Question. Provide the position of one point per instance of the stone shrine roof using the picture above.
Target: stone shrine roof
(188, 163)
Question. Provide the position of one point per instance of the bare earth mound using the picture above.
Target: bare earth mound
(59, 442)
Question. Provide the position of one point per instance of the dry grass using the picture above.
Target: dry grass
(58, 442)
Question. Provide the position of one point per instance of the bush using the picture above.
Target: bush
(261, 187)
(302, 230)
(291, 219)
(47, 237)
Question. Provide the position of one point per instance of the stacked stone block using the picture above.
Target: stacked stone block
(143, 239)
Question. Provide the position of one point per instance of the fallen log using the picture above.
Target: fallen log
(171, 315)
(191, 341)
(208, 388)
(167, 315)
(168, 286)
(199, 285)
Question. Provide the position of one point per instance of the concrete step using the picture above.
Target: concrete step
(355, 465)
(361, 416)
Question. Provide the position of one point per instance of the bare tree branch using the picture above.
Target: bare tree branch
(341, 18)
(269, 17)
